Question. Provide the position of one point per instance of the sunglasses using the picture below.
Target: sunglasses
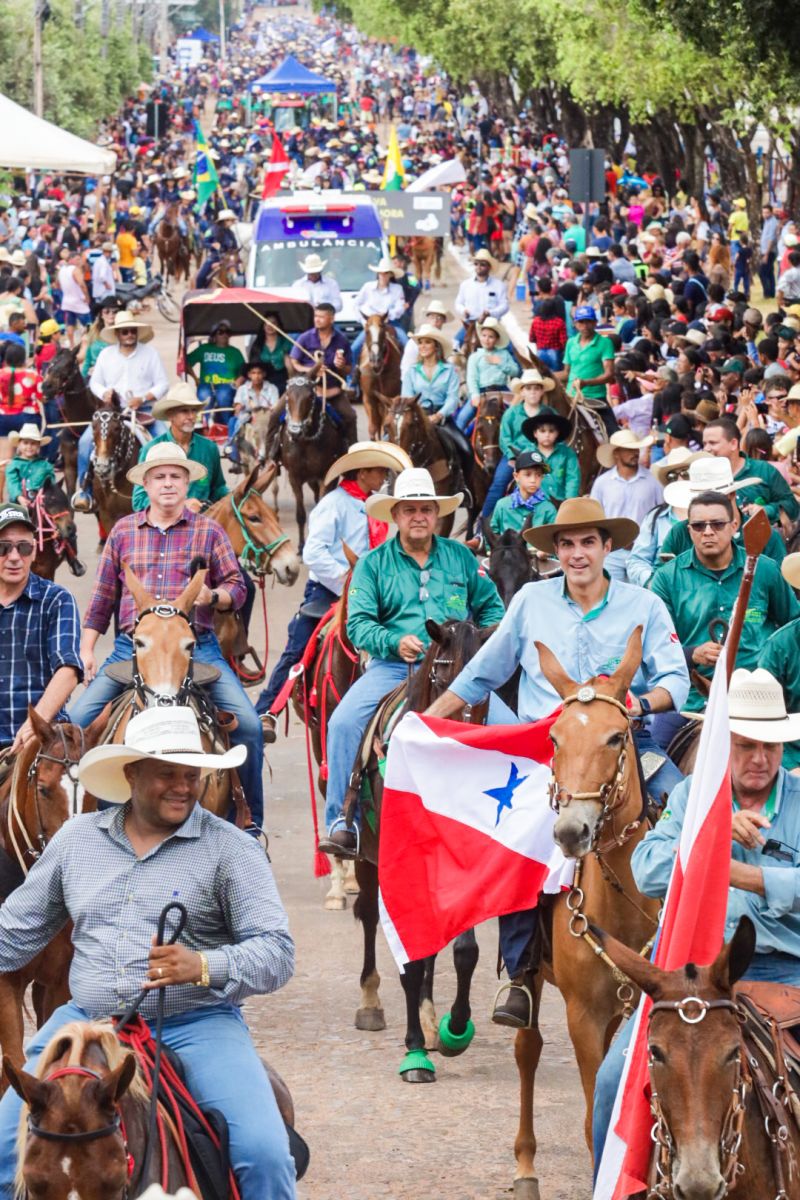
(701, 526)
(24, 549)
(424, 577)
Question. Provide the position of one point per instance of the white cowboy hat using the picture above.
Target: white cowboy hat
(493, 323)
(384, 266)
(164, 734)
(414, 483)
(676, 463)
(180, 395)
(757, 709)
(18, 258)
(165, 454)
(706, 474)
(180, 173)
(790, 569)
(29, 433)
(483, 256)
(438, 309)
(312, 264)
(227, 214)
(624, 439)
(126, 320)
(363, 455)
(436, 335)
(532, 376)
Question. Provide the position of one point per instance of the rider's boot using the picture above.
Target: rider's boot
(82, 501)
(340, 840)
(515, 1002)
(269, 727)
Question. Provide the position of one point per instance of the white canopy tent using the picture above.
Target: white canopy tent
(29, 143)
(449, 172)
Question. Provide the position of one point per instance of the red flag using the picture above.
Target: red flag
(275, 169)
(692, 929)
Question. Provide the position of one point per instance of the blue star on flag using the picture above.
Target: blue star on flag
(503, 795)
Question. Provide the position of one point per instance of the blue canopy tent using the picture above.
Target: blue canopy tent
(203, 35)
(292, 76)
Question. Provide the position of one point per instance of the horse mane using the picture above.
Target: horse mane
(461, 642)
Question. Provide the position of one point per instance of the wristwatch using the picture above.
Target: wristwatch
(646, 706)
(214, 598)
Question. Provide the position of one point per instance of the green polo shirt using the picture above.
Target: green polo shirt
(696, 595)
(202, 450)
(564, 480)
(505, 516)
(587, 362)
(773, 493)
(384, 600)
(780, 655)
(679, 540)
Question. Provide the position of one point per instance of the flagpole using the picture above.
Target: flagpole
(756, 533)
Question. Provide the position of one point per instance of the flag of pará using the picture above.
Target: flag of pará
(394, 173)
(205, 178)
(692, 930)
(275, 169)
(466, 829)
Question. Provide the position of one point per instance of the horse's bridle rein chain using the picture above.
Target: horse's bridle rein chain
(305, 429)
(34, 846)
(255, 557)
(142, 690)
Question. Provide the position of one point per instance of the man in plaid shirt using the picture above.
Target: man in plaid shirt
(158, 544)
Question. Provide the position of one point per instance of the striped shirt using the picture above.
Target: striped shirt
(39, 632)
(160, 560)
(89, 873)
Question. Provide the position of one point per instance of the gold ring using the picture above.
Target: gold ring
(160, 972)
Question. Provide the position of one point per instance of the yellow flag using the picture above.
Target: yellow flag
(394, 173)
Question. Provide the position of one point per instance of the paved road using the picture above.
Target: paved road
(372, 1135)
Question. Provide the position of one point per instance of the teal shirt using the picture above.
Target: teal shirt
(780, 655)
(694, 595)
(679, 540)
(773, 493)
(505, 516)
(201, 450)
(483, 374)
(93, 352)
(32, 473)
(512, 440)
(564, 480)
(384, 603)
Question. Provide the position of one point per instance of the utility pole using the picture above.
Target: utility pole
(222, 30)
(105, 18)
(163, 36)
(38, 73)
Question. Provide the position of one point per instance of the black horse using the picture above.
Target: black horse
(65, 386)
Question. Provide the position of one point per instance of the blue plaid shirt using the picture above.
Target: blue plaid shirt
(90, 874)
(39, 632)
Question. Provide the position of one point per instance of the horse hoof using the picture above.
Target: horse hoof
(526, 1189)
(370, 1020)
(416, 1067)
(452, 1044)
(335, 903)
(417, 1076)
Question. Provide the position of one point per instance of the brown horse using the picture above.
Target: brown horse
(426, 255)
(40, 794)
(65, 385)
(597, 792)
(379, 371)
(725, 1116)
(453, 644)
(486, 443)
(115, 451)
(56, 535)
(310, 443)
(408, 426)
(174, 248)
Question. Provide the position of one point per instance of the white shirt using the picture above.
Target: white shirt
(476, 297)
(383, 301)
(103, 282)
(322, 291)
(251, 400)
(129, 375)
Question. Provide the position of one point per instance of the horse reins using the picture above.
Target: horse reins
(34, 847)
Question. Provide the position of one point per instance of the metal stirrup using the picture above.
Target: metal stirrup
(342, 820)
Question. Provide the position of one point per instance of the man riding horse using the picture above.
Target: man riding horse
(111, 873)
(586, 620)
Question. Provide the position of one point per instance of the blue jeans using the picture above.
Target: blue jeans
(86, 445)
(503, 474)
(221, 395)
(779, 968)
(299, 631)
(554, 359)
(13, 422)
(226, 692)
(465, 416)
(232, 1079)
(358, 341)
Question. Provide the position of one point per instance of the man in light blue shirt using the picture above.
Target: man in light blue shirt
(586, 619)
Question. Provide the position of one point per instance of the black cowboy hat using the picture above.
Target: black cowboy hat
(546, 416)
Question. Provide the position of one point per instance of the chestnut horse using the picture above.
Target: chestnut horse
(486, 442)
(56, 535)
(426, 255)
(310, 443)
(40, 794)
(174, 248)
(599, 796)
(65, 385)
(116, 450)
(379, 371)
(408, 426)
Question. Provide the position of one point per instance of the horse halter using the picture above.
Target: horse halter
(255, 557)
(46, 527)
(34, 847)
(142, 690)
(303, 429)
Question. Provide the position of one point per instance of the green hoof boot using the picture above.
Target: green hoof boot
(416, 1067)
(452, 1044)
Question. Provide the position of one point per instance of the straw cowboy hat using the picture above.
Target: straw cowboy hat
(29, 433)
(180, 395)
(624, 439)
(676, 464)
(582, 513)
(493, 323)
(363, 455)
(704, 411)
(790, 569)
(435, 335)
(384, 266)
(126, 320)
(414, 483)
(706, 474)
(161, 734)
(695, 337)
(166, 454)
(312, 264)
(532, 376)
(438, 309)
(757, 709)
(483, 256)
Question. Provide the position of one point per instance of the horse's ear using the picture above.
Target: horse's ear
(246, 484)
(734, 958)
(640, 971)
(40, 726)
(35, 1092)
(435, 630)
(349, 554)
(492, 539)
(266, 477)
(554, 673)
(188, 596)
(620, 681)
(93, 733)
(111, 1090)
(142, 598)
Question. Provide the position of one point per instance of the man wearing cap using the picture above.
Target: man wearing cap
(589, 365)
(315, 287)
(39, 632)
(340, 519)
(180, 408)
(527, 506)
(159, 543)
(324, 354)
(586, 619)
(111, 873)
(626, 488)
(221, 367)
(482, 296)
(411, 578)
(384, 297)
(766, 488)
(105, 274)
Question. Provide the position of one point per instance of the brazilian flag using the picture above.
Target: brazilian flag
(394, 174)
(205, 177)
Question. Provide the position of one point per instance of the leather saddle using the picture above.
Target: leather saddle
(122, 672)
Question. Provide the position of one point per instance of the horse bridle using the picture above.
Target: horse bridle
(142, 690)
(34, 848)
(302, 429)
(46, 528)
(255, 556)
(104, 418)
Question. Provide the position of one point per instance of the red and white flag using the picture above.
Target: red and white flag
(275, 169)
(692, 929)
(466, 829)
